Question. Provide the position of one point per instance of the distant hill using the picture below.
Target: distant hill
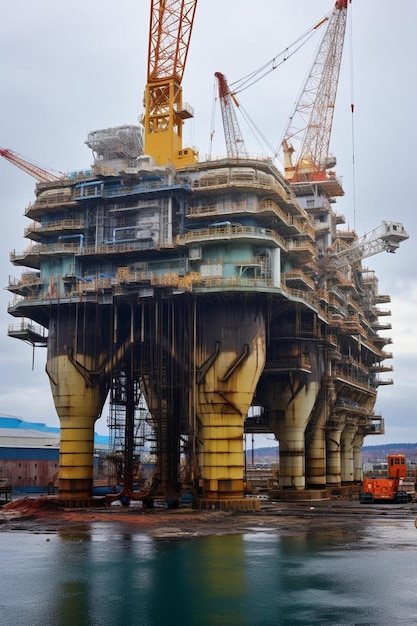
(270, 455)
(263, 456)
(381, 452)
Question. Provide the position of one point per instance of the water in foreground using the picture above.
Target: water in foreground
(101, 575)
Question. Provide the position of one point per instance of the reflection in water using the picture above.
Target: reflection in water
(215, 571)
(101, 576)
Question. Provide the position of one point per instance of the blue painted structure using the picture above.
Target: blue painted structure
(29, 453)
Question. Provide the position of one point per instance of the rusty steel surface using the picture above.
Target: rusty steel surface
(208, 328)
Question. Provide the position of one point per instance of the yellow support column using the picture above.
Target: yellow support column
(76, 351)
(78, 406)
(224, 394)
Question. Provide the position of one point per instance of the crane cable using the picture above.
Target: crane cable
(256, 131)
(213, 120)
(255, 76)
(352, 110)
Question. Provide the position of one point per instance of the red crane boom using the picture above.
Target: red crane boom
(307, 138)
(235, 145)
(37, 172)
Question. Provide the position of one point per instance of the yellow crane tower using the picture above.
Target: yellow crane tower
(171, 23)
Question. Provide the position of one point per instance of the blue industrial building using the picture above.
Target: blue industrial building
(29, 453)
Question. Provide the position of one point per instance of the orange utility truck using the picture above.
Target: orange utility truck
(387, 488)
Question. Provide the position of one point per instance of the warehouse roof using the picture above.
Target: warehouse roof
(17, 432)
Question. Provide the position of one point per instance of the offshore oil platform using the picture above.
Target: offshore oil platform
(222, 292)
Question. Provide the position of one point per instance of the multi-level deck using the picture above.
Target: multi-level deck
(205, 284)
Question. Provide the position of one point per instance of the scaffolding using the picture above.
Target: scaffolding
(130, 431)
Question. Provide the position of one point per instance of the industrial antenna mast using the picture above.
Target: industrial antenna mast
(307, 138)
(41, 175)
(235, 145)
(171, 23)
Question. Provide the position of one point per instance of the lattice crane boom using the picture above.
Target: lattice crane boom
(171, 23)
(235, 145)
(384, 238)
(307, 137)
(41, 174)
(170, 33)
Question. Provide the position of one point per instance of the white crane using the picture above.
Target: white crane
(386, 237)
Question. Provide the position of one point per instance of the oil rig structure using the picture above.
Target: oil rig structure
(222, 291)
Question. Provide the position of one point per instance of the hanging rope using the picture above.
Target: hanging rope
(213, 119)
(352, 110)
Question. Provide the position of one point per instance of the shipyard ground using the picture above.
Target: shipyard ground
(333, 516)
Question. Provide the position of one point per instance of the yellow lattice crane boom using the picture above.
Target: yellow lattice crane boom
(171, 23)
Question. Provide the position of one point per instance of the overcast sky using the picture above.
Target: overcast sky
(73, 66)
